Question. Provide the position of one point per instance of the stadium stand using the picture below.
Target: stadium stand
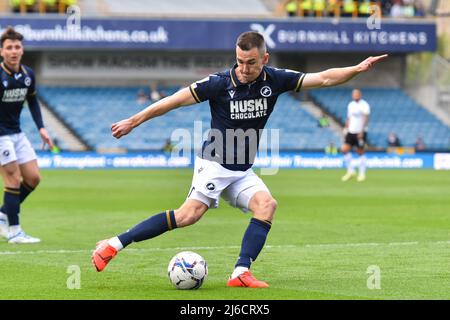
(215, 8)
(391, 111)
(91, 111)
(350, 8)
(41, 6)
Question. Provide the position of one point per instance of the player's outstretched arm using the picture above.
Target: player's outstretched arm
(336, 76)
(178, 99)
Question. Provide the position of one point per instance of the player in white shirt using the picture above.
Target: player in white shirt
(355, 135)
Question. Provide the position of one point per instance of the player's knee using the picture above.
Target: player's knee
(33, 181)
(345, 149)
(266, 209)
(272, 205)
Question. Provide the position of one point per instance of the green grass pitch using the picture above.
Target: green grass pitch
(325, 236)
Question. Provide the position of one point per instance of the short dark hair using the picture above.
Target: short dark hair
(251, 39)
(11, 34)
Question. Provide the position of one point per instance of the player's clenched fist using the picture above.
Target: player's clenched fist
(121, 128)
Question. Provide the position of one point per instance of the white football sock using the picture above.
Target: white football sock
(115, 243)
(362, 165)
(3, 217)
(238, 271)
(348, 162)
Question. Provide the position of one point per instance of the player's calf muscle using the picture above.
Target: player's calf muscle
(188, 215)
(185, 219)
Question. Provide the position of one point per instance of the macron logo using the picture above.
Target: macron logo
(231, 93)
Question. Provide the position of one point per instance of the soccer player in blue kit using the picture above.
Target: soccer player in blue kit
(241, 98)
(19, 167)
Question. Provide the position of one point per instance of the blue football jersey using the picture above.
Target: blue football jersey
(15, 88)
(240, 111)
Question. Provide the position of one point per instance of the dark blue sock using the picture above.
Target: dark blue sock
(253, 241)
(25, 190)
(150, 228)
(11, 205)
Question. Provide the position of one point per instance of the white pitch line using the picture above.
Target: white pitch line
(319, 245)
(134, 250)
(411, 243)
(42, 251)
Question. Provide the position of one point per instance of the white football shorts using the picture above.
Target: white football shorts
(211, 180)
(16, 147)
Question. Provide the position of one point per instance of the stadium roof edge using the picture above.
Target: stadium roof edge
(261, 18)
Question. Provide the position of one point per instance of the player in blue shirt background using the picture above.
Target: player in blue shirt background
(241, 100)
(19, 167)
